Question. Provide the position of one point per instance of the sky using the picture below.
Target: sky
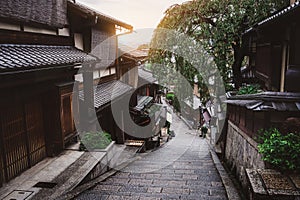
(143, 15)
(138, 13)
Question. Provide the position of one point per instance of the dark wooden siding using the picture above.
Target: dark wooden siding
(18, 37)
(13, 133)
(263, 57)
(35, 131)
(22, 136)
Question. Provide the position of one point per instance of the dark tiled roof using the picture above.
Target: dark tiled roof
(51, 13)
(143, 101)
(146, 75)
(138, 54)
(279, 101)
(92, 12)
(106, 92)
(279, 14)
(21, 57)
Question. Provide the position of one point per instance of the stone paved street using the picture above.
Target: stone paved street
(182, 169)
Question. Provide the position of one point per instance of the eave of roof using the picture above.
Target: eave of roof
(92, 12)
(15, 57)
(276, 101)
(138, 54)
(107, 92)
(276, 16)
(146, 75)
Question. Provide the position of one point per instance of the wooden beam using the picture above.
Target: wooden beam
(19, 37)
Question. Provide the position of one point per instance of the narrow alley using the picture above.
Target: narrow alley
(182, 169)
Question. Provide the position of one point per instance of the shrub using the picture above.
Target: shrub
(249, 89)
(170, 96)
(281, 151)
(94, 140)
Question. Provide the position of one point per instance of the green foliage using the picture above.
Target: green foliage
(94, 140)
(218, 26)
(170, 96)
(229, 87)
(249, 89)
(173, 101)
(282, 151)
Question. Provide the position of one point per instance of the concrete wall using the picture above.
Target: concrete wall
(105, 162)
(241, 152)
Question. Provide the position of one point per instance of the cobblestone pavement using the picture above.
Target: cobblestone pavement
(181, 169)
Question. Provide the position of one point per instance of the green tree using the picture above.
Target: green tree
(218, 25)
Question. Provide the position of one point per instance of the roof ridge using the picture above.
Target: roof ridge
(96, 12)
(275, 15)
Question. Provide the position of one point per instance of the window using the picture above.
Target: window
(104, 72)
(112, 70)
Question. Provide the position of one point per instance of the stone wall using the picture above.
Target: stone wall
(241, 152)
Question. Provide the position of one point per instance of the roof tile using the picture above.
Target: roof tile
(279, 101)
(106, 92)
(146, 75)
(15, 57)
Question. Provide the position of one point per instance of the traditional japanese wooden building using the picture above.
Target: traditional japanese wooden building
(95, 33)
(144, 109)
(129, 61)
(274, 49)
(147, 83)
(273, 52)
(42, 48)
(38, 62)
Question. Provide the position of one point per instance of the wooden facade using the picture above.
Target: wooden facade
(37, 82)
(274, 50)
(40, 56)
(36, 121)
(252, 113)
(98, 38)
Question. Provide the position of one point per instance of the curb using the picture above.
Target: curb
(231, 191)
(186, 123)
